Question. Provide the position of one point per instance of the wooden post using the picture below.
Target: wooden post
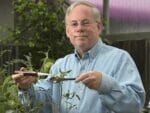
(106, 17)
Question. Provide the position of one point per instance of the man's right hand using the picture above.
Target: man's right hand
(22, 81)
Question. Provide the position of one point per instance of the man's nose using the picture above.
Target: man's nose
(80, 27)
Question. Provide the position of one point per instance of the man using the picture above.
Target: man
(107, 80)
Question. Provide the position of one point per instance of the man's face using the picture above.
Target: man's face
(82, 29)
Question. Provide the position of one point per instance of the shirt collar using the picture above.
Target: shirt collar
(93, 51)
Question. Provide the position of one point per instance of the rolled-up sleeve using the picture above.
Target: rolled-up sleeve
(123, 91)
(38, 96)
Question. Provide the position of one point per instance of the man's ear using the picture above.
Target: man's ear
(100, 27)
(67, 31)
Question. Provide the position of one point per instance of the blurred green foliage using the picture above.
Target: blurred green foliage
(40, 25)
(8, 89)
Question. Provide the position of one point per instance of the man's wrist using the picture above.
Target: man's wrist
(24, 88)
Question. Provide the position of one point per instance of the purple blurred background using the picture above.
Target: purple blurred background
(129, 10)
(127, 15)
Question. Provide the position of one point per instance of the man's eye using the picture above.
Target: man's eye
(74, 24)
(86, 23)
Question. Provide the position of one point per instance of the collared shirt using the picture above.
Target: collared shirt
(121, 89)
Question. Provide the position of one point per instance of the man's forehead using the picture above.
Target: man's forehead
(80, 20)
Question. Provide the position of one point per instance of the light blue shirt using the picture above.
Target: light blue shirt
(121, 89)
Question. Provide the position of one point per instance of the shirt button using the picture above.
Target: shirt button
(83, 68)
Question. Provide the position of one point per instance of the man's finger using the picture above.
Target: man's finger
(82, 77)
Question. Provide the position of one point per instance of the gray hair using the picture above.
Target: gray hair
(96, 12)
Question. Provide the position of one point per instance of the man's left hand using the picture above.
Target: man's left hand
(91, 79)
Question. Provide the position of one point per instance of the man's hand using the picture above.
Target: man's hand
(91, 79)
(23, 82)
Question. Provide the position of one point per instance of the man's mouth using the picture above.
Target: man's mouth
(81, 36)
